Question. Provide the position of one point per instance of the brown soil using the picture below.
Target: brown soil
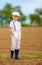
(31, 42)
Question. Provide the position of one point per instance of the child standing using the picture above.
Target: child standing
(15, 30)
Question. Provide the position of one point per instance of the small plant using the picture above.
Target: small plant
(36, 55)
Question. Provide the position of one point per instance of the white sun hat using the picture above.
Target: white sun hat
(16, 13)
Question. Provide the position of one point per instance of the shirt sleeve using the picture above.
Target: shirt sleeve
(11, 25)
(20, 25)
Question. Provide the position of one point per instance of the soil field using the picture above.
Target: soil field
(31, 47)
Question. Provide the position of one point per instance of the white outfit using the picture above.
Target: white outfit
(16, 26)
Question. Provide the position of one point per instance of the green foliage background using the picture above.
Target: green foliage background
(6, 16)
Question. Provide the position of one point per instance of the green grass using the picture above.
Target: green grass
(36, 55)
(7, 56)
(33, 55)
(4, 56)
(24, 55)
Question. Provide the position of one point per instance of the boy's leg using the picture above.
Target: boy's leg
(17, 49)
(16, 54)
(12, 52)
(13, 47)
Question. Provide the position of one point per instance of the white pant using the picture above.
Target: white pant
(15, 43)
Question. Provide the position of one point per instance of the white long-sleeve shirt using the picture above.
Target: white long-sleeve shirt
(16, 27)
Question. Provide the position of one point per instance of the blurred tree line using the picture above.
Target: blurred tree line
(37, 17)
(6, 15)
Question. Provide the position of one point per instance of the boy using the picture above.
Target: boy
(15, 30)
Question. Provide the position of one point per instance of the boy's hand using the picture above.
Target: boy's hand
(12, 33)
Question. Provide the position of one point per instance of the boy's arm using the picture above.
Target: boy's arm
(11, 28)
(20, 30)
(20, 27)
(11, 31)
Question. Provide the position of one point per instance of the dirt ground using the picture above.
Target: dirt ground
(31, 42)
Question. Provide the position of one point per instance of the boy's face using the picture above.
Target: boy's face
(15, 17)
